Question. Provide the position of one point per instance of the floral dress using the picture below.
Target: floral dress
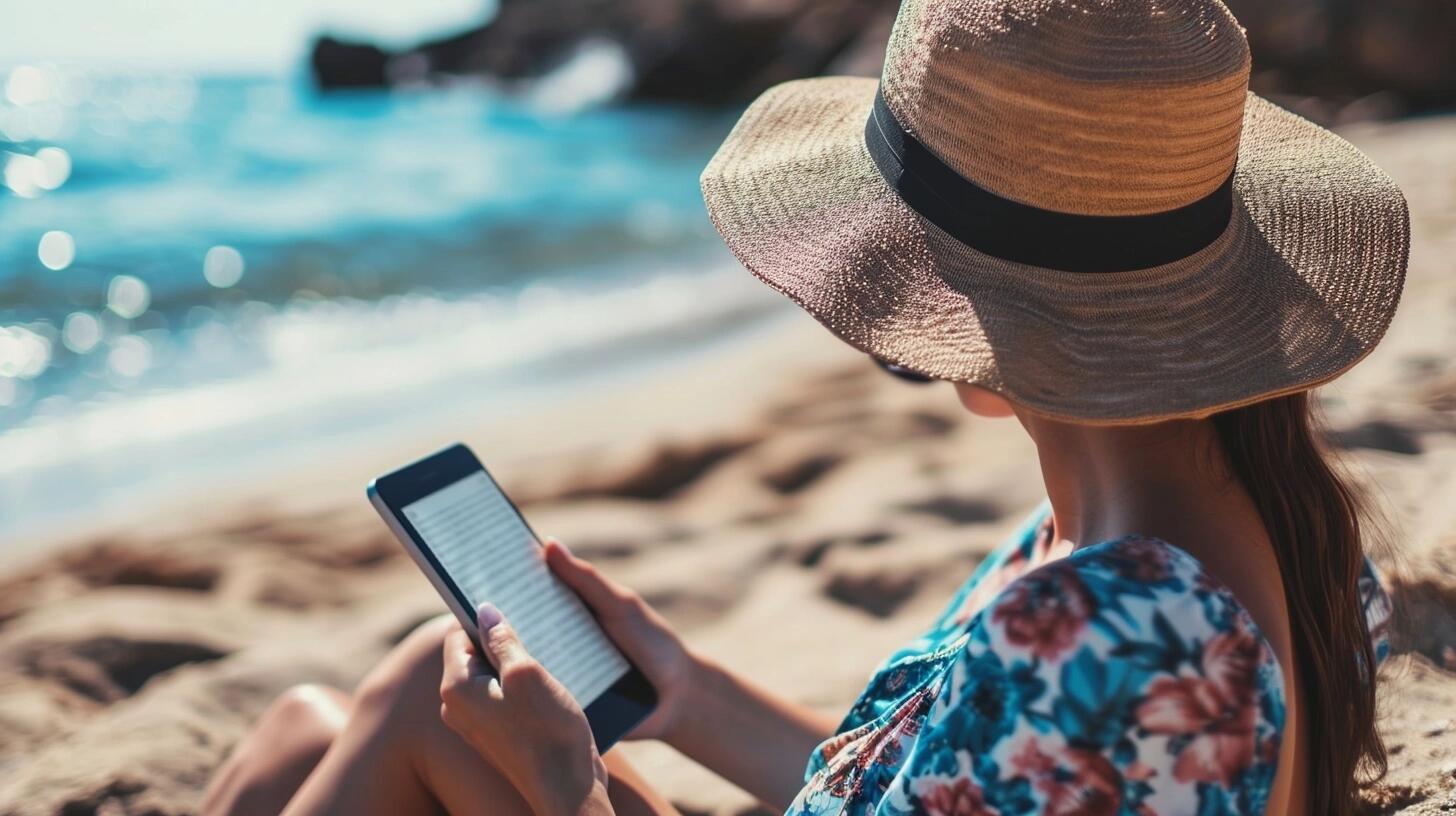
(1120, 678)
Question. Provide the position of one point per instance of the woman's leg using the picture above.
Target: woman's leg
(394, 756)
(267, 767)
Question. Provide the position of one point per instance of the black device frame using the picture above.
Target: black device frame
(620, 708)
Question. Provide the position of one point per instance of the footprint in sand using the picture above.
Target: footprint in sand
(1425, 619)
(956, 509)
(1377, 434)
(122, 564)
(800, 473)
(109, 668)
(877, 592)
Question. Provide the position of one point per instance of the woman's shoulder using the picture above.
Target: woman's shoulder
(1119, 575)
(1123, 675)
(1127, 596)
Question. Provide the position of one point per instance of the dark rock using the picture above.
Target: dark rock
(690, 51)
(1332, 59)
(338, 64)
(1343, 51)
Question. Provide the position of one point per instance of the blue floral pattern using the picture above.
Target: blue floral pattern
(1117, 679)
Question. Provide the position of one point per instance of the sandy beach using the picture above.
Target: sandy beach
(791, 509)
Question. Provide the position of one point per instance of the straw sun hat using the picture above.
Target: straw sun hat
(1075, 203)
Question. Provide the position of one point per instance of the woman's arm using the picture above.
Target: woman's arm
(755, 739)
(746, 734)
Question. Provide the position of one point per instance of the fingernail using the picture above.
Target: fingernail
(486, 617)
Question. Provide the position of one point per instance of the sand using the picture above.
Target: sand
(792, 510)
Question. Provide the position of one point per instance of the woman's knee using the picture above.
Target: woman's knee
(314, 708)
(409, 675)
(271, 763)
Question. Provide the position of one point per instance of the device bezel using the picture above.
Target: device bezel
(620, 708)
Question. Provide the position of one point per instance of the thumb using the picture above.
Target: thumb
(503, 648)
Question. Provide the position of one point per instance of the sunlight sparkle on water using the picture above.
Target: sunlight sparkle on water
(130, 356)
(24, 354)
(128, 296)
(57, 250)
(29, 176)
(28, 85)
(22, 175)
(223, 267)
(81, 332)
(54, 167)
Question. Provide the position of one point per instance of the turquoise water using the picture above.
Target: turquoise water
(192, 269)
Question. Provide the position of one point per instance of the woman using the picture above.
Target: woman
(1075, 213)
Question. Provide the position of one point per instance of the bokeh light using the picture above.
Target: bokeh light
(24, 354)
(53, 169)
(213, 340)
(28, 85)
(23, 174)
(128, 296)
(223, 266)
(81, 332)
(57, 249)
(130, 356)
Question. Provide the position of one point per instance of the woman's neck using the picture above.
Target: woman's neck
(1168, 480)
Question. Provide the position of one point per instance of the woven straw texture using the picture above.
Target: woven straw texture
(1097, 108)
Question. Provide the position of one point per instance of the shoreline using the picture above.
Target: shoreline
(199, 485)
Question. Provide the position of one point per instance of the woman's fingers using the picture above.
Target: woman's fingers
(467, 689)
(503, 648)
(462, 659)
(458, 651)
(601, 593)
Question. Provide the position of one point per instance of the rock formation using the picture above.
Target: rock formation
(1385, 56)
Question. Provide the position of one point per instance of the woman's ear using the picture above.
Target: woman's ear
(983, 402)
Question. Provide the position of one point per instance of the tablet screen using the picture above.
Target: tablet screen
(489, 552)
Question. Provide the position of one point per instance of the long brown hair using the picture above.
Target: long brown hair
(1313, 517)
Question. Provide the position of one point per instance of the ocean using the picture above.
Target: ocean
(195, 272)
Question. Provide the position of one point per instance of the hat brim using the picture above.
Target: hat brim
(1299, 288)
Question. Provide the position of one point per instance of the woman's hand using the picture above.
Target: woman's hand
(747, 734)
(522, 720)
(640, 632)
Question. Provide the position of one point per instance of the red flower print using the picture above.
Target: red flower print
(1139, 772)
(1142, 559)
(1046, 610)
(1075, 782)
(1269, 749)
(985, 592)
(847, 756)
(1218, 710)
(958, 797)
(1042, 549)
(1231, 662)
